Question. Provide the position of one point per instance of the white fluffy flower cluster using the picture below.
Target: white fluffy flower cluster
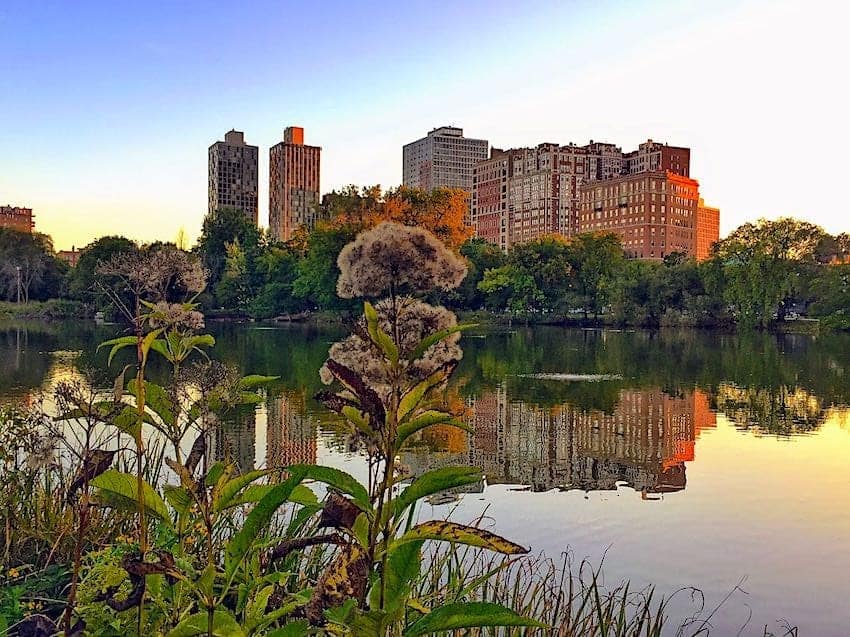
(177, 316)
(393, 257)
(415, 321)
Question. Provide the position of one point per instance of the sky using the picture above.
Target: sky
(108, 108)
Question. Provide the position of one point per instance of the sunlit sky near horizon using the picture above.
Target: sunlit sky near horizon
(108, 109)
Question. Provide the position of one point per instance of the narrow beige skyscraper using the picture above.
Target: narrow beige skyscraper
(234, 175)
(293, 184)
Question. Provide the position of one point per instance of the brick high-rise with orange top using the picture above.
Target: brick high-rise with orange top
(294, 169)
(653, 213)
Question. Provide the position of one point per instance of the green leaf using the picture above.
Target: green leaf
(360, 529)
(214, 474)
(232, 487)
(147, 341)
(445, 531)
(124, 486)
(468, 615)
(339, 480)
(379, 336)
(156, 399)
(424, 420)
(223, 625)
(255, 380)
(403, 565)
(130, 421)
(259, 518)
(433, 482)
(117, 344)
(435, 338)
(178, 497)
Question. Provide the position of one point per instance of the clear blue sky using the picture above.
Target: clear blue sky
(108, 107)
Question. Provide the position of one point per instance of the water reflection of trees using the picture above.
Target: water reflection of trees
(777, 410)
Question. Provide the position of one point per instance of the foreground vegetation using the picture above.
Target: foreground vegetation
(761, 275)
(118, 519)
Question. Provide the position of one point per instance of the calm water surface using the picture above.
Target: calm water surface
(702, 459)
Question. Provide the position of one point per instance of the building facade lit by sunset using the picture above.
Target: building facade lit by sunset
(653, 213)
(522, 194)
(233, 175)
(444, 158)
(16, 218)
(294, 174)
(708, 229)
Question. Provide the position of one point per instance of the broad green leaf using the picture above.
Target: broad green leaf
(424, 420)
(149, 338)
(360, 529)
(468, 615)
(214, 474)
(259, 518)
(178, 497)
(206, 581)
(253, 381)
(117, 344)
(403, 564)
(379, 336)
(445, 531)
(358, 418)
(232, 487)
(156, 399)
(435, 338)
(256, 608)
(224, 625)
(435, 481)
(124, 486)
(339, 480)
(410, 401)
(130, 421)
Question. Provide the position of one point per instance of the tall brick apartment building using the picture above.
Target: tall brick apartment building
(654, 213)
(521, 194)
(294, 171)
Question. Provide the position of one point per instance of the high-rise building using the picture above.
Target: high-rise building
(233, 175)
(708, 229)
(293, 184)
(654, 157)
(443, 158)
(522, 194)
(16, 218)
(653, 213)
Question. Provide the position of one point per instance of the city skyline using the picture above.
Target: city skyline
(101, 122)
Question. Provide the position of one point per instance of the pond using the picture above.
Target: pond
(682, 458)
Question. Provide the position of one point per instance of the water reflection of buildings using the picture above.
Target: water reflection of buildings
(234, 440)
(291, 431)
(644, 443)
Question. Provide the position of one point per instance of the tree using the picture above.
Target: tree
(81, 279)
(278, 267)
(317, 271)
(535, 277)
(762, 265)
(224, 226)
(28, 266)
(442, 211)
(596, 259)
(480, 256)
